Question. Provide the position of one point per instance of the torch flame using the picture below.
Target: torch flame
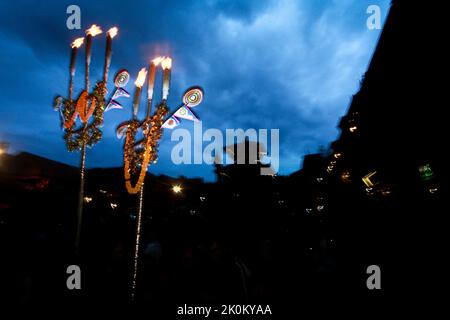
(77, 42)
(166, 63)
(94, 30)
(113, 32)
(157, 60)
(141, 78)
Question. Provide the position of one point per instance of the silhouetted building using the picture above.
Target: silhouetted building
(246, 166)
(387, 172)
(394, 124)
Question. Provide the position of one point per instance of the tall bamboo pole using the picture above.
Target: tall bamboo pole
(137, 244)
(80, 197)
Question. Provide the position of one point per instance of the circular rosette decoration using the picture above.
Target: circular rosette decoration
(139, 154)
(121, 79)
(58, 103)
(193, 97)
(122, 129)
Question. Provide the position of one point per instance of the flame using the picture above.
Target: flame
(77, 42)
(113, 32)
(141, 78)
(94, 30)
(166, 63)
(157, 60)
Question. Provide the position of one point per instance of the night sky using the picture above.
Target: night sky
(282, 64)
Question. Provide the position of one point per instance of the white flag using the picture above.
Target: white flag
(185, 113)
(171, 123)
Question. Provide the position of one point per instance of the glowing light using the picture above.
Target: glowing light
(177, 189)
(113, 32)
(345, 176)
(113, 205)
(87, 199)
(337, 155)
(425, 172)
(94, 30)
(433, 190)
(151, 79)
(141, 78)
(77, 42)
(367, 181)
(158, 60)
(3, 147)
(166, 63)
(353, 129)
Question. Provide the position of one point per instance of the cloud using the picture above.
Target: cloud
(291, 65)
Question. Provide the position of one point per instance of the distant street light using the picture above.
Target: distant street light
(177, 189)
(4, 147)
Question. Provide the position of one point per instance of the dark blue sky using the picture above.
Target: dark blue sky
(285, 64)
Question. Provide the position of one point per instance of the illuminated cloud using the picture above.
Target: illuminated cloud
(284, 64)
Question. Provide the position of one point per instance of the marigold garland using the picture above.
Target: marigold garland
(88, 133)
(144, 152)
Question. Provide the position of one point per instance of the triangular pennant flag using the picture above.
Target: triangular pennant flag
(119, 93)
(113, 104)
(171, 123)
(185, 113)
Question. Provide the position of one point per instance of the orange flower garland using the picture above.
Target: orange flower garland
(88, 134)
(80, 109)
(133, 157)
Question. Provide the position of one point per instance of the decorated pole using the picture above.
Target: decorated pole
(138, 155)
(88, 106)
(90, 33)
(80, 197)
(137, 243)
